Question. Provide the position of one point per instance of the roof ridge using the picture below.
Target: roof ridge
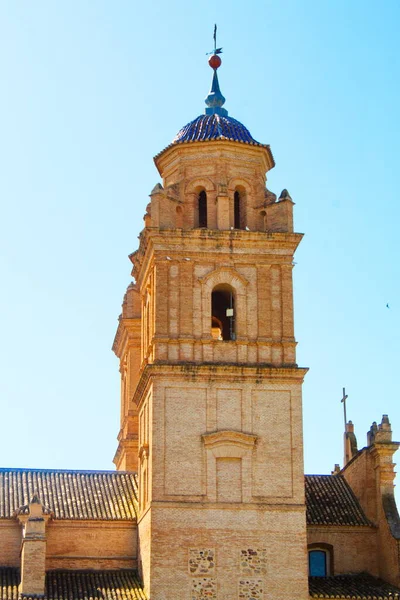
(38, 470)
(322, 475)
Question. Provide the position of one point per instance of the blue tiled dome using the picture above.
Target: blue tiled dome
(214, 127)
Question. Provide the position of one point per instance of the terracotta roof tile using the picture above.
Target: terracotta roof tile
(361, 587)
(78, 585)
(93, 495)
(331, 501)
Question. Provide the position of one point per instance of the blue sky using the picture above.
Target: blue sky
(92, 90)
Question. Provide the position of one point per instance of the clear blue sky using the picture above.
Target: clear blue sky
(91, 91)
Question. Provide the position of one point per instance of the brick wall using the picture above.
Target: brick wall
(354, 548)
(91, 544)
(10, 546)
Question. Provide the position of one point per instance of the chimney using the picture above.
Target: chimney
(383, 448)
(33, 518)
(350, 443)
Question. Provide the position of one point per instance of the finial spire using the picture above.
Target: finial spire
(215, 99)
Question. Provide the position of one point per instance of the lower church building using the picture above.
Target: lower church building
(209, 499)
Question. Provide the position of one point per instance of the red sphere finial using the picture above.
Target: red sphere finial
(214, 61)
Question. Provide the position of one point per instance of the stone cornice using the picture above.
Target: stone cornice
(213, 237)
(175, 152)
(213, 372)
(200, 245)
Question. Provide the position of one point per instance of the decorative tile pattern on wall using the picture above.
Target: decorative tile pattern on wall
(201, 561)
(250, 589)
(204, 588)
(253, 561)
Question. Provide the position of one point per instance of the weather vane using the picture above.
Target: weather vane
(216, 50)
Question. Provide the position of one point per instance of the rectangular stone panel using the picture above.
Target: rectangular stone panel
(229, 409)
(253, 561)
(204, 588)
(201, 561)
(250, 589)
(229, 479)
(185, 422)
(272, 465)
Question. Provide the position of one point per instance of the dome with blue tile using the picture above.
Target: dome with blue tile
(214, 127)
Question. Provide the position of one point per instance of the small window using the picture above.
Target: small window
(317, 563)
(202, 202)
(320, 559)
(223, 313)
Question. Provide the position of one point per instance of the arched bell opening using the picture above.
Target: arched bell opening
(202, 208)
(223, 313)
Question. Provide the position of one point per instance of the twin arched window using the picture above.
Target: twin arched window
(239, 209)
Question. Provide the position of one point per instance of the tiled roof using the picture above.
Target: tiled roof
(214, 127)
(361, 587)
(331, 501)
(94, 495)
(78, 585)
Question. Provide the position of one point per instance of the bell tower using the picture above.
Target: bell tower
(211, 414)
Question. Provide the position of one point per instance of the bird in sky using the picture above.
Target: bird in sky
(387, 306)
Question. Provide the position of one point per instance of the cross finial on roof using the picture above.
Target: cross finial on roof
(215, 99)
(344, 398)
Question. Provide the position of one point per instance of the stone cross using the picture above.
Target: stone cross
(344, 408)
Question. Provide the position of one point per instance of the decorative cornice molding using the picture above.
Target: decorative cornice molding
(229, 443)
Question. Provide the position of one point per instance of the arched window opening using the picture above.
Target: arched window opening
(320, 560)
(237, 215)
(223, 313)
(202, 202)
(239, 209)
